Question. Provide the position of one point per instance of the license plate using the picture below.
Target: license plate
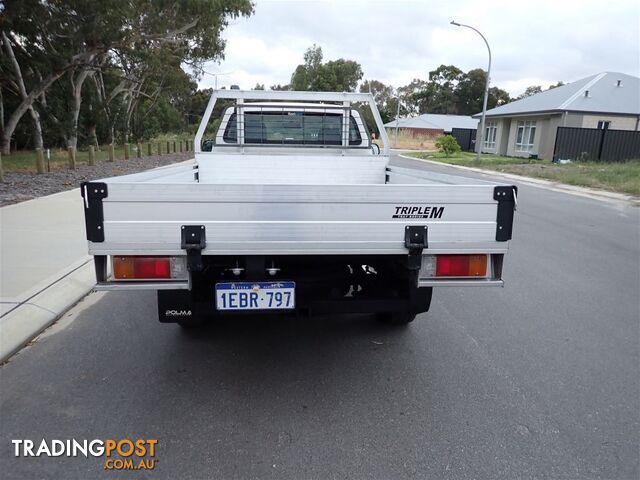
(255, 295)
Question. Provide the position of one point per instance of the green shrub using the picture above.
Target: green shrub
(448, 145)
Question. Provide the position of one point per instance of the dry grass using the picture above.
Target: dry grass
(406, 141)
(622, 177)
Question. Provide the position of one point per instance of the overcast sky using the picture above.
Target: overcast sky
(533, 43)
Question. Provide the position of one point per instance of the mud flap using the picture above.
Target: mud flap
(175, 306)
(420, 299)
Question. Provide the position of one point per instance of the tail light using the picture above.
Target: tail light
(149, 268)
(454, 266)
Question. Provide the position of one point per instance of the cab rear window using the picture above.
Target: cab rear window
(291, 128)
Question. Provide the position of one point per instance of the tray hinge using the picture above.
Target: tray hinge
(507, 198)
(93, 193)
(415, 239)
(193, 240)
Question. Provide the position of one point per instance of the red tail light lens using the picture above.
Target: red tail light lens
(152, 268)
(141, 268)
(461, 266)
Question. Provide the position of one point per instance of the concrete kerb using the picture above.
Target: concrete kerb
(537, 182)
(20, 325)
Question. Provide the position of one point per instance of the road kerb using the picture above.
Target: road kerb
(25, 322)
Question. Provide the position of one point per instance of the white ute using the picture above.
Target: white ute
(290, 206)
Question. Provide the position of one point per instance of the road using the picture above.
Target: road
(536, 380)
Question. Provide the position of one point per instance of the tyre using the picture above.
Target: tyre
(397, 318)
(419, 303)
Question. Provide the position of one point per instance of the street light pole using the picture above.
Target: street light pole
(397, 119)
(486, 86)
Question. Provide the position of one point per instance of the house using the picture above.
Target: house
(431, 124)
(529, 126)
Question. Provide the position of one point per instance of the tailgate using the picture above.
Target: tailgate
(147, 218)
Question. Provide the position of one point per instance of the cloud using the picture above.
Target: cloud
(535, 43)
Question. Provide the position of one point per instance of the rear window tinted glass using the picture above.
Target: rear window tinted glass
(291, 128)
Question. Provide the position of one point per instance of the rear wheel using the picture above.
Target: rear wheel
(397, 318)
(420, 301)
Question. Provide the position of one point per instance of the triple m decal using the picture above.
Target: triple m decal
(418, 212)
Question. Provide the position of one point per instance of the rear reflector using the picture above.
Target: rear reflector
(148, 268)
(461, 266)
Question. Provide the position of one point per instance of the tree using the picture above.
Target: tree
(413, 99)
(497, 97)
(303, 74)
(529, 91)
(42, 36)
(470, 92)
(560, 83)
(74, 36)
(19, 84)
(384, 96)
(446, 76)
(346, 73)
(435, 96)
(336, 75)
(385, 99)
(195, 105)
(439, 95)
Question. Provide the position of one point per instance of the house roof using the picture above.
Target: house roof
(435, 121)
(605, 96)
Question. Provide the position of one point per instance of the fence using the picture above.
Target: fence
(601, 145)
(42, 161)
(466, 138)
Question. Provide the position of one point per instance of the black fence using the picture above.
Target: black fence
(466, 138)
(600, 145)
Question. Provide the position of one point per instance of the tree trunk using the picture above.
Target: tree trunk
(104, 100)
(17, 114)
(93, 137)
(27, 101)
(1, 111)
(37, 128)
(76, 88)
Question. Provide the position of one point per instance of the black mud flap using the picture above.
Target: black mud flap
(175, 306)
(420, 299)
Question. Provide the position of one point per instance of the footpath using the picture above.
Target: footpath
(44, 266)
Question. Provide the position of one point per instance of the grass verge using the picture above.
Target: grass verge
(622, 177)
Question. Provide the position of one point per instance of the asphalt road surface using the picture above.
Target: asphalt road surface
(536, 380)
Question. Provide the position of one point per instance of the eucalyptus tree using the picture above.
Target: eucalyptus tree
(333, 76)
(81, 38)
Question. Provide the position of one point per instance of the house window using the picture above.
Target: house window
(604, 124)
(525, 136)
(490, 130)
